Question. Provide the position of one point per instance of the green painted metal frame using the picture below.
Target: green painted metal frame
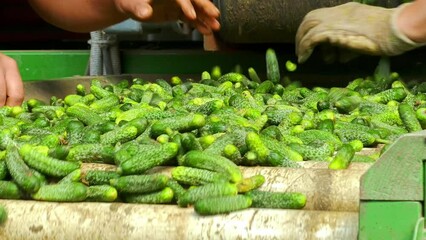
(44, 65)
(392, 192)
(55, 64)
(38, 65)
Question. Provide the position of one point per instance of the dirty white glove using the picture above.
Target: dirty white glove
(362, 28)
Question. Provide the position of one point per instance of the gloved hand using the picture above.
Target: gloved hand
(362, 28)
(11, 86)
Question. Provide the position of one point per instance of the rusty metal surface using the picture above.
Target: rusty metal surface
(30, 220)
(325, 189)
(44, 89)
(330, 212)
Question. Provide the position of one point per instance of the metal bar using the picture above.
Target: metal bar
(44, 220)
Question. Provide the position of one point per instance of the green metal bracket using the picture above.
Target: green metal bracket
(38, 65)
(419, 231)
(392, 192)
(398, 174)
(387, 220)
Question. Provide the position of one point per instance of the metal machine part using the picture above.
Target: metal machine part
(331, 212)
(104, 47)
(104, 54)
(139, 31)
(54, 221)
(252, 21)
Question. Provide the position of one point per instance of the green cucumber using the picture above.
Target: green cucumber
(161, 197)
(9, 190)
(179, 123)
(314, 135)
(99, 92)
(98, 177)
(212, 162)
(119, 134)
(210, 190)
(408, 117)
(178, 190)
(101, 193)
(320, 152)
(280, 147)
(67, 192)
(3, 214)
(272, 66)
(105, 104)
(130, 149)
(282, 200)
(190, 142)
(348, 135)
(84, 114)
(45, 164)
(20, 172)
(91, 152)
(139, 183)
(256, 145)
(248, 184)
(220, 205)
(253, 75)
(343, 157)
(74, 176)
(195, 176)
(144, 161)
(3, 166)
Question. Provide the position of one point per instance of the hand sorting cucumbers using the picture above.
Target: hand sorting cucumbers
(205, 129)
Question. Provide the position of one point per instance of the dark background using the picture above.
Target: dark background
(22, 29)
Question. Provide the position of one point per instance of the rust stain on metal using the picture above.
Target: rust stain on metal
(114, 207)
(36, 229)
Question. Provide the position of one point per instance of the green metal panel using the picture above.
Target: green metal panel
(188, 62)
(398, 174)
(54, 64)
(388, 220)
(36, 65)
(42, 65)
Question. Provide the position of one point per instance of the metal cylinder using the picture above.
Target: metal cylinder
(30, 220)
(270, 21)
(325, 189)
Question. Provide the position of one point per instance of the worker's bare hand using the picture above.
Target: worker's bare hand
(11, 86)
(202, 14)
(354, 26)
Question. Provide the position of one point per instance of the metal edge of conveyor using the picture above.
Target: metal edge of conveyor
(392, 192)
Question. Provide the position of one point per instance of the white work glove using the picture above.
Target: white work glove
(358, 27)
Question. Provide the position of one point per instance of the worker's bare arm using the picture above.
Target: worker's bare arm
(412, 21)
(11, 86)
(90, 15)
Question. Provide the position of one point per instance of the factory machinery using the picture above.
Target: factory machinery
(380, 200)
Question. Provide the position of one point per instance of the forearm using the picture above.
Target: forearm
(78, 15)
(412, 21)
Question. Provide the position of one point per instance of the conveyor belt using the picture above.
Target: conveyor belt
(62, 221)
(331, 212)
